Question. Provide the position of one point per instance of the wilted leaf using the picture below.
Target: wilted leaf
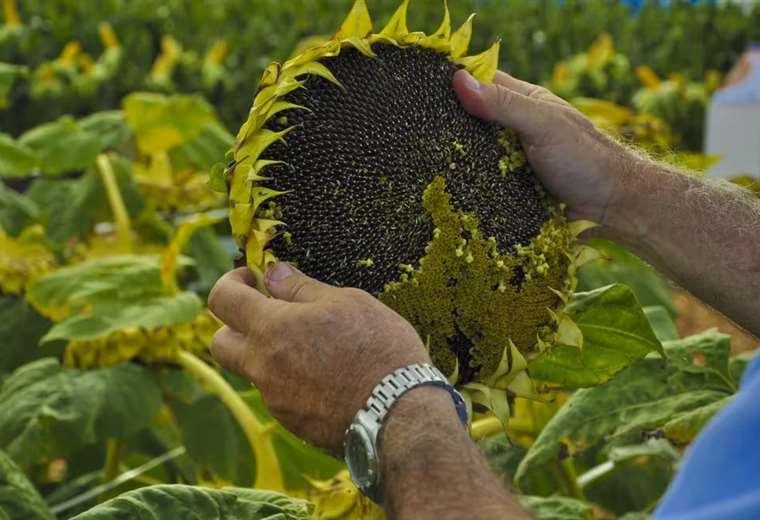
(557, 508)
(161, 123)
(16, 159)
(18, 497)
(644, 397)
(616, 332)
(48, 411)
(195, 503)
(738, 364)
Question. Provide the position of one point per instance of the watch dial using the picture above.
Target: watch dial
(358, 456)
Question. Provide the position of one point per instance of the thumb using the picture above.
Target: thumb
(287, 283)
(526, 115)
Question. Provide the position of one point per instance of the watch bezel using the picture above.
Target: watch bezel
(363, 477)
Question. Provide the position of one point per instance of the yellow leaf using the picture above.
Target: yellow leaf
(460, 40)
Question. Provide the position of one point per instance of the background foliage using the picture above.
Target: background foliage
(112, 116)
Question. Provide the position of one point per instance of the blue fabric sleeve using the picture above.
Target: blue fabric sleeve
(719, 477)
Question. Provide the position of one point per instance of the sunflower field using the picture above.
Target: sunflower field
(119, 156)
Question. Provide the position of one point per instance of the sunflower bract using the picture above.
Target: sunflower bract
(359, 165)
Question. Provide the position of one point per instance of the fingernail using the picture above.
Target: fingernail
(471, 83)
(279, 272)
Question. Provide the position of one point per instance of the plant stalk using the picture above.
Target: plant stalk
(566, 473)
(111, 467)
(268, 472)
(10, 14)
(119, 210)
(489, 426)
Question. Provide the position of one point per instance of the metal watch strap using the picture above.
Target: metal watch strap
(385, 395)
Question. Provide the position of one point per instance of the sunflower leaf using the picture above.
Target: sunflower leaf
(615, 331)
(18, 497)
(181, 501)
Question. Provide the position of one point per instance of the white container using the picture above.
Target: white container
(733, 120)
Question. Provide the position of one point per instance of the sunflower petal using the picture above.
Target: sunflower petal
(252, 148)
(361, 45)
(397, 27)
(317, 69)
(254, 173)
(440, 39)
(577, 227)
(483, 66)
(460, 40)
(358, 23)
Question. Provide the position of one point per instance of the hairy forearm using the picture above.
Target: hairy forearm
(704, 235)
(432, 469)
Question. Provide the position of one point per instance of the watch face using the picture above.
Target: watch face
(360, 456)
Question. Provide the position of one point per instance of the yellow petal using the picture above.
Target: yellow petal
(254, 146)
(397, 27)
(361, 45)
(483, 66)
(358, 23)
(568, 333)
(579, 226)
(271, 75)
(240, 220)
(254, 172)
(460, 40)
(279, 106)
(440, 39)
(317, 69)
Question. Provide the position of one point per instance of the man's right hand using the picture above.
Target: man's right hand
(577, 163)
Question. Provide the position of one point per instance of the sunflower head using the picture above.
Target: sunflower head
(358, 164)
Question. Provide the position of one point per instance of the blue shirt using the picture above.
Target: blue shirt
(720, 474)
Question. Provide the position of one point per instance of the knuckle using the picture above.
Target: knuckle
(503, 97)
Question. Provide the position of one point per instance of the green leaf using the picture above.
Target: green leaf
(161, 123)
(110, 127)
(196, 503)
(62, 146)
(557, 508)
(661, 322)
(206, 150)
(298, 459)
(48, 411)
(642, 398)
(145, 314)
(633, 478)
(738, 364)
(216, 181)
(18, 497)
(16, 159)
(8, 75)
(16, 211)
(21, 328)
(618, 265)
(71, 208)
(213, 438)
(211, 257)
(616, 332)
(126, 278)
(685, 427)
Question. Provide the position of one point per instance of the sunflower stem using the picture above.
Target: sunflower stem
(119, 210)
(10, 14)
(489, 426)
(111, 467)
(566, 472)
(268, 472)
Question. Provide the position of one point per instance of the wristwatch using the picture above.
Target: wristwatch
(361, 440)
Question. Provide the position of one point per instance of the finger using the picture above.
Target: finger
(235, 301)
(230, 349)
(528, 116)
(527, 89)
(285, 282)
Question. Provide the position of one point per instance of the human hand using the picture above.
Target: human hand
(313, 350)
(577, 163)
